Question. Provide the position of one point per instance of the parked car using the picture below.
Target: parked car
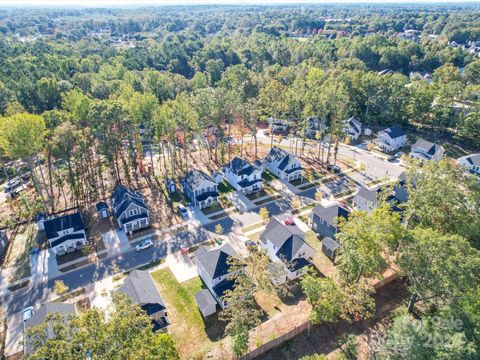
(333, 168)
(145, 244)
(289, 221)
(28, 313)
(182, 210)
(391, 158)
(399, 154)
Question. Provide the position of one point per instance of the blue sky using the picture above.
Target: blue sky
(100, 3)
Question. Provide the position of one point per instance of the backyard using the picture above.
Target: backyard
(320, 260)
(192, 333)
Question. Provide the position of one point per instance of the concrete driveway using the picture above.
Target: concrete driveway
(14, 338)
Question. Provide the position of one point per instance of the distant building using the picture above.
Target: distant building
(200, 188)
(283, 164)
(243, 176)
(426, 150)
(66, 233)
(392, 138)
(129, 209)
(470, 162)
(313, 126)
(353, 128)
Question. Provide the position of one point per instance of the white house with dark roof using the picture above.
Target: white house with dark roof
(243, 176)
(426, 150)
(213, 266)
(66, 233)
(314, 125)
(353, 128)
(392, 138)
(471, 163)
(141, 289)
(200, 188)
(129, 209)
(283, 164)
(285, 244)
(325, 219)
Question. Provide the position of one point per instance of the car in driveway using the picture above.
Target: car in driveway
(333, 168)
(145, 244)
(27, 313)
(182, 210)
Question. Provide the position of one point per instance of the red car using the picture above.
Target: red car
(183, 250)
(289, 221)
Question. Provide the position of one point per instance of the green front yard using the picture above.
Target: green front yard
(212, 209)
(193, 335)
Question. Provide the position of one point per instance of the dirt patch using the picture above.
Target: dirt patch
(22, 242)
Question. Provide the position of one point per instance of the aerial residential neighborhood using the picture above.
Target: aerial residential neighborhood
(232, 181)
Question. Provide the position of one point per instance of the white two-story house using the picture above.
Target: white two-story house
(283, 164)
(243, 176)
(213, 266)
(353, 128)
(66, 233)
(426, 150)
(285, 244)
(200, 188)
(129, 209)
(392, 138)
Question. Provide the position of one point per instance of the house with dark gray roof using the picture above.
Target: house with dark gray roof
(66, 233)
(286, 244)
(367, 199)
(471, 163)
(4, 241)
(314, 126)
(141, 289)
(353, 128)
(213, 266)
(40, 316)
(283, 164)
(330, 247)
(426, 150)
(325, 219)
(200, 188)
(243, 176)
(391, 139)
(129, 209)
(206, 302)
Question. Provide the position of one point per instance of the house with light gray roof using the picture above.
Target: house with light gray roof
(426, 150)
(283, 164)
(129, 209)
(201, 189)
(470, 162)
(286, 244)
(325, 219)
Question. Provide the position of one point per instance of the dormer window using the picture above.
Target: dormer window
(133, 212)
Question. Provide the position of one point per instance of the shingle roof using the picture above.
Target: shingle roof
(369, 194)
(53, 226)
(472, 159)
(246, 183)
(331, 213)
(206, 195)
(330, 243)
(41, 314)
(435, 151)
(298, 263)
(196, 177)
(72, 236)
(356, 124)
(123, 197)
(101, 205)
(215, 261)
(276, 154)
(140, 287)
(223, 286)
(204, 299)
(277, 233)
(240, 166)
(395, 131)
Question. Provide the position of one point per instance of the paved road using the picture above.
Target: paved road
(86, 275)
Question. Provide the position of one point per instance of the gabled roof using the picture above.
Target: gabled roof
(196, 177)
(330, 243)
(215, 261)
(101, 205)
(368, 194)
(435, 151)
(355, 124)
(41, 314)
(53, 226)
(395, 131)
(123, 197)
(472, 159)
(278, 233)
(204, 299)
(140, 287)
(240, 166)
(331, 213)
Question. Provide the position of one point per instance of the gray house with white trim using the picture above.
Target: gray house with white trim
(471, 163)
(426, 150)
(200, 188)
(325, 219)
(129, 209)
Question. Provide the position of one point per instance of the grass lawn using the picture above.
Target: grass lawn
(212, 209)
(257, 194)
(252, 227)
(193, 335)
(268, 176)
(320, 260)
(225, 188)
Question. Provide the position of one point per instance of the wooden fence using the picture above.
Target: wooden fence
(276, 342)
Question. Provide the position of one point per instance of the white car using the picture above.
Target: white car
(145, 244)
(183, 211)
(27, 313)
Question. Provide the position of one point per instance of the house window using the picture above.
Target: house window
(133, 212)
